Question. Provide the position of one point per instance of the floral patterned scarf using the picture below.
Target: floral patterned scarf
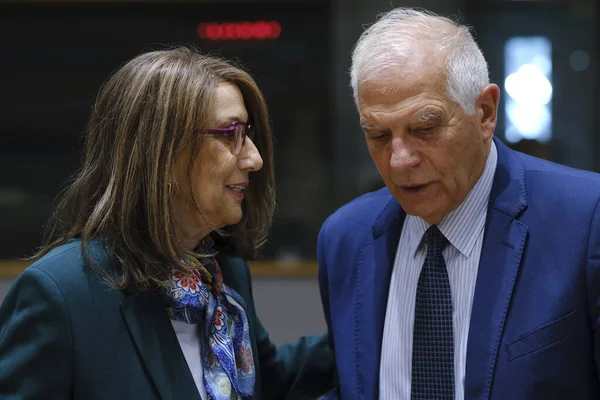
(199, 296)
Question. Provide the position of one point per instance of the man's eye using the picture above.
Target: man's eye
(425, 129)
(381, 137)
(376, 134)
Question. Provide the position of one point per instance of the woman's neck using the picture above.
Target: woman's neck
(190, 238)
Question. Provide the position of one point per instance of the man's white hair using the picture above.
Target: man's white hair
(387, 45)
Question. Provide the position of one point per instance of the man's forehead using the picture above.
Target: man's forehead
(417, 113)
(416, 101)
(382, 93)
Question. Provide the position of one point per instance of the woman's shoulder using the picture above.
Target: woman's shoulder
(68, 266)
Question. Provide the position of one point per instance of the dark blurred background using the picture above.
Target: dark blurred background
(55, 55)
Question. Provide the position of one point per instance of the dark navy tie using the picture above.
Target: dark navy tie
(433, 337)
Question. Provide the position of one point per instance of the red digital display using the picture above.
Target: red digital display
(258, 30)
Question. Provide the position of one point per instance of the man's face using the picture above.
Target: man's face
(428, 151)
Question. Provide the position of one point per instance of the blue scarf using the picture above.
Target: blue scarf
(199, 296)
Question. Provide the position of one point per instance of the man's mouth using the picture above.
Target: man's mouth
(414, 188)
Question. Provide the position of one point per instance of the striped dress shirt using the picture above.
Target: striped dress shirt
(464, 228)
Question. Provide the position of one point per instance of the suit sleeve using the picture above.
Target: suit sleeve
(302, 370)
(35, 340)
(324, 290)
(593, 286)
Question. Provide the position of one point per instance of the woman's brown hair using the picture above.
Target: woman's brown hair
(145, 113)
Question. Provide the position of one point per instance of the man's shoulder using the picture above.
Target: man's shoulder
(551, 179)
(360, 212)
(350, 228)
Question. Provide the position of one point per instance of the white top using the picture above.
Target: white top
(188, 336)
(464, 228)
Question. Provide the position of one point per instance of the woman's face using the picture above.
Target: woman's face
(218, 178)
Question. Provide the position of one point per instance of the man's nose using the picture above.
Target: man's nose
(404, 155)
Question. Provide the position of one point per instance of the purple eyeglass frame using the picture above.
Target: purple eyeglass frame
(230, 133)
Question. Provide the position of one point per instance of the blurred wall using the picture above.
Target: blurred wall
(4, 286)
(571, 28)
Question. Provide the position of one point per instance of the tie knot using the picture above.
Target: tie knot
(435, 239)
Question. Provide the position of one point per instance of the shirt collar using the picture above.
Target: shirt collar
(463, 225)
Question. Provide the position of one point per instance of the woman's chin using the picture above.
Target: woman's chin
(233, 218)
(223, 218)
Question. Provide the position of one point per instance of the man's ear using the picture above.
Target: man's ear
(487, 109)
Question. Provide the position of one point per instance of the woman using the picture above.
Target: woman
(142, 291)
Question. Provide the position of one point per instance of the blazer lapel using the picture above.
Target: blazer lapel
(157, 345)
(374, 271)
(501, 254)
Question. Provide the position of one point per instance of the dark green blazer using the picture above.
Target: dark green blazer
(65, 334)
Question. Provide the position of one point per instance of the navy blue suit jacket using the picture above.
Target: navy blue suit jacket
(536, 310)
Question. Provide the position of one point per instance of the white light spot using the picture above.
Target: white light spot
(529, 86)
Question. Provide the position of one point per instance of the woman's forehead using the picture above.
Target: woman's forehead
(228, 104)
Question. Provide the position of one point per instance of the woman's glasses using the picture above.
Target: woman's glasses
(236, 133)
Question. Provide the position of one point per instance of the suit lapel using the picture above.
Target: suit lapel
(158, 347)
(374, 271)
(501, 255)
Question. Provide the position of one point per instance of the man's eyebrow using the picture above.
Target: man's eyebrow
(367, 127)
(428, 116)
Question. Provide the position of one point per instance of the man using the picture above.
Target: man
(475, 274)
